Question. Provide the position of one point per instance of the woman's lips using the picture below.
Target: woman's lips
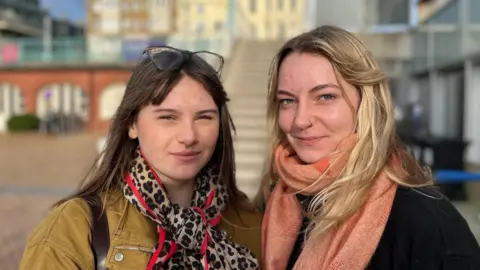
(309, 140)
(186, 156)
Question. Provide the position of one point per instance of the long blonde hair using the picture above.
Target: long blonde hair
(375, 128)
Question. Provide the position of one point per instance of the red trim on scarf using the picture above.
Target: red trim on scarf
(210, 197)
(161, 240)
(162, 234)
(205, 262)
(213, 222)
(159, 181)
(200, 211)
(216, 220)
(173, 248)
(129, 180)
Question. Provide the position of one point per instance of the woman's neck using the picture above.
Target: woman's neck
(179, 192)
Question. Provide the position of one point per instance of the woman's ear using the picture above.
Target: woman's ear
(132, 131)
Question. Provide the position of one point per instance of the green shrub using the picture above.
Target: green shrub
(23, 122)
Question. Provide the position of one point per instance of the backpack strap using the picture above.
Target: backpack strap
(100, 232)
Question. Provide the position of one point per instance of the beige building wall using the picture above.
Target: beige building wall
(272, 19)
(111, 22)
(130, 17)
(202, 18)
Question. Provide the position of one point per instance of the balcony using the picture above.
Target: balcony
(97, 50)
(12, 22)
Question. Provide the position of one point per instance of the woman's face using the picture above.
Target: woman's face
(313, 111)
(179, 136)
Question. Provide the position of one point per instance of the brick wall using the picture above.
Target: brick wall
(91, 79)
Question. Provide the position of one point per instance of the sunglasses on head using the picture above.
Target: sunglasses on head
(169, 58)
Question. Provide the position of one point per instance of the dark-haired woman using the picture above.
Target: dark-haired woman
(165, 181)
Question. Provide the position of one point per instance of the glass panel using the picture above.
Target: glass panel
(473, 41)
(446, 15)
(419, 50)
(475, 11)
(393, 11)
(448, 47)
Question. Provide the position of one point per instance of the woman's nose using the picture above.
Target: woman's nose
(187, 134)
(302, 118)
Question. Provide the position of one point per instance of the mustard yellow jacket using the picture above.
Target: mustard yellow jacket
(62, 240)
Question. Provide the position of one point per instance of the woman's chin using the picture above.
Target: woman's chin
(310, 156)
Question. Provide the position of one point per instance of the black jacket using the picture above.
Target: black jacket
(424, 231)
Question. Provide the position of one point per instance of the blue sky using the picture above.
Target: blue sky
(73, 10)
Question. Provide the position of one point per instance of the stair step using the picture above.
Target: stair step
(253, 181)
(255, 146)
(257, 74)
(244, 99)
(249, 175)
(248, 112)
(249, 158)
(251, 134)
(250, 91)
(238, 107)
(247, 88)
(258, 139)
(249, 191)
(250, 122)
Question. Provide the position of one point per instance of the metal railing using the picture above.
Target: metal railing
(20, 51)
(113, 50)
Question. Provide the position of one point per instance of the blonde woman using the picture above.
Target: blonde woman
(341, 190)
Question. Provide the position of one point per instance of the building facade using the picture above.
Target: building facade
(124, 27)
(202, 18)
(271, 19)
(21, 18)
(380, 16)
(130, 18)
(29, 34)
(446, 73)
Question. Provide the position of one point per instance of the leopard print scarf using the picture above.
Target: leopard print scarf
(189, 238)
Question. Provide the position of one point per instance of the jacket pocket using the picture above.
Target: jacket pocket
(129, 257)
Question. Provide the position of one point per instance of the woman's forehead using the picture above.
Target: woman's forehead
(305, 70)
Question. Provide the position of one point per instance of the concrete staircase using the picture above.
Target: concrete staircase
(246, 85)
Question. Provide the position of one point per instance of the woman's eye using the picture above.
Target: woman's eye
(205, 117)
(286, 101)
(166, 117)
(326, 97)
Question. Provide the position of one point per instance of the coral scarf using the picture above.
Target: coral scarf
(349, 246)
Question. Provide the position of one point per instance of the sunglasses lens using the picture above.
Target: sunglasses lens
(166, 58)
(214, 60)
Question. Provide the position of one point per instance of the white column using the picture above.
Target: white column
(17, 100)
(472, 112)
(413, 92)
(6, 99)
(3, 116)
(67, 95)
(438, 95)
(57, 97)
(311, 11)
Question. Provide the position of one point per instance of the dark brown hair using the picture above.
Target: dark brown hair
(149, 85)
